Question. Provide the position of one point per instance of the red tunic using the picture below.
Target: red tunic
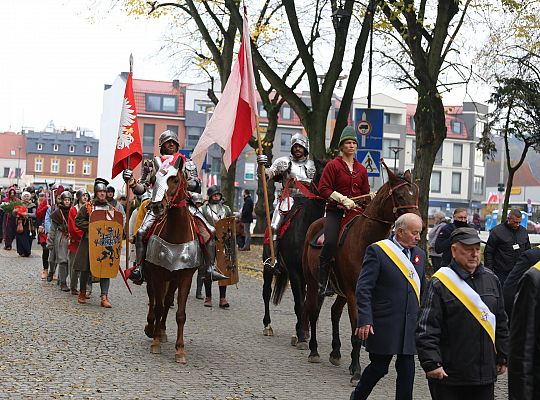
(75, 234)
(336, 177)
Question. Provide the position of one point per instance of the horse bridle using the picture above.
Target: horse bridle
(181, 188)
(395, 208)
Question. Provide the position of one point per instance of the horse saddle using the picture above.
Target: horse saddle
(347, 222)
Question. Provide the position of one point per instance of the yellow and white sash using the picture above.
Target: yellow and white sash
(469, 298)
(537, 266)
(403, 263)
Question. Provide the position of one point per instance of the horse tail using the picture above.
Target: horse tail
(280, 283)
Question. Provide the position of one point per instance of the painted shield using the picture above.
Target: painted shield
(226, 250)
(105, 233)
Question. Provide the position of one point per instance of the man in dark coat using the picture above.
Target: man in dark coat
(524, 356)
(462, 333)
(246, 218)
(443, 241)
(388, 293)
(506, 243)
(510, 287)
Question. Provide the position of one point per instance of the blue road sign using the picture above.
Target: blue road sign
(368, 123)
(371, 159)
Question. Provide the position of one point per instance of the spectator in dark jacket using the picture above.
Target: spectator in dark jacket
(510, 287)
(524, 357)
(246, 218)
(462, 353)
(506, 243)
(438, 223)
(443, 242)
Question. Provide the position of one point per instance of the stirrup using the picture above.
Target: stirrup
(136, 275)
(271, 267)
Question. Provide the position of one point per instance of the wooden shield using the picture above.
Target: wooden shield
(226, 250)
(105, 233)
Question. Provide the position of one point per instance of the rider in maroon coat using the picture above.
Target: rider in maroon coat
(343, 177)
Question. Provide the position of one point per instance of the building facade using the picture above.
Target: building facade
(13, 160)
(66, 157)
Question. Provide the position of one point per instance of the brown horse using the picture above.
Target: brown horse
(175, 228)
(397, 196)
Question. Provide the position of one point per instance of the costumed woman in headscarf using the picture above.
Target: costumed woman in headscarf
(10, 221)
(25, 238)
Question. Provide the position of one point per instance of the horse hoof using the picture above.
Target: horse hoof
(355, 379)
(314, 359)
(180, 359)
(268, 331)
(302, 346)
(294, 340)
(149, 331)
(155, 349)
(335, 361)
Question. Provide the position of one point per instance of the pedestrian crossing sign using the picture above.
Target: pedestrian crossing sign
(371, 160)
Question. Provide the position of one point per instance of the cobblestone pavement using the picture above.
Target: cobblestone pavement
(51, 347)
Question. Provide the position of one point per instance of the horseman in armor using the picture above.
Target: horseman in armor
(156, 175)
(295, 166)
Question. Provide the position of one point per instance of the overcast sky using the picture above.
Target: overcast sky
(55, 57)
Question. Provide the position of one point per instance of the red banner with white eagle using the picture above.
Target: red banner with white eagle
(128, 144)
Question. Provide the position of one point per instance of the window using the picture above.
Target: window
(386, 118)
(458, 154)
(38, 165)
(55, 147)
(39, 146)
(413, 151)
(438, 156)
(387, 153)
(286, 141)
(286, 112)
(6, 172)
(249, 171)
(456, 127)
(478, 185)
(413, 123)
(86, 167)
(203, 106)
(479, 156)
(262, 111)
(72, 148)
(193, 133)
(17, 172)
(456, 182)
(87, 149)
(55, 164)
(13, 152)
(161, 103)
(149, 134)
(436, 181)
(173, 128)
(70, 167)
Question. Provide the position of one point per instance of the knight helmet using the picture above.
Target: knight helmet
(166, 136)
(100, 185)
(212, 190)
(301, 140)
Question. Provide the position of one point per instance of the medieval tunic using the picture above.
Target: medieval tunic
(82, 220)
(58, 237)
(24, 239)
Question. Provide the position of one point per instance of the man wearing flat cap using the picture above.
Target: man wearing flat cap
(462, 332)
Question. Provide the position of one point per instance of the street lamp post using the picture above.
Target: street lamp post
(395, 150)
(18, 172)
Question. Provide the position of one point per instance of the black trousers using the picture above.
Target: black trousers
(331, 233)
(440, 391)
(378, 367)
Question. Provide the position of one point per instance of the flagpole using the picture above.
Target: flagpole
(265, 195)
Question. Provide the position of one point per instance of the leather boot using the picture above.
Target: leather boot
(82, 297)
(105, 301)
(211, 272)
(324, 269)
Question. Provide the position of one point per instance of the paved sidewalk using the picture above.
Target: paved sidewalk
(51, 347)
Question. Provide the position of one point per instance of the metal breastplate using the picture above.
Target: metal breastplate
(162, 172)
(302, 171)
(215, 212)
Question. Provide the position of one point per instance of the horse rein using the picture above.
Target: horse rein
(394, 207)
(180, 189)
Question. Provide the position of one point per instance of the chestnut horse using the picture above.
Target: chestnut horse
(396, 197)
(176, 228)
(304, 211)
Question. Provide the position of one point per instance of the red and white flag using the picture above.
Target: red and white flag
(11, 173)
(233, 121)
(128, 143)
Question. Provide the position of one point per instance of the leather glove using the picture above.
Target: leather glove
(262, 159)
(344, 200)
(127, 175)
(372, 195)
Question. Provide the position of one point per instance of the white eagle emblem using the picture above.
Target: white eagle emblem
(411, 273)
(484, 316)
(125, 132)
